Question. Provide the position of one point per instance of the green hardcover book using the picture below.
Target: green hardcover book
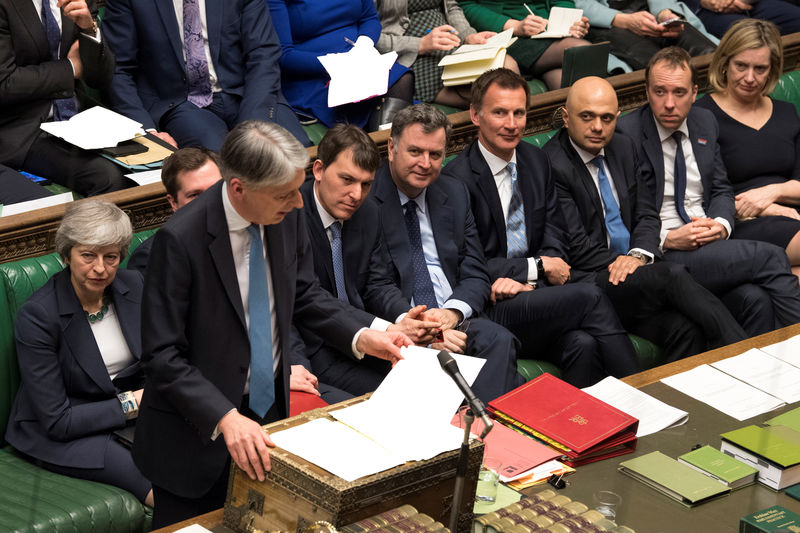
(770, 519)
(676, 480)
(774, 451)
(790, 419)
(719, 466)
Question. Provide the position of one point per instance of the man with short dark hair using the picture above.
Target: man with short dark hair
(186, 174)
(677, 143)
(228, 275)
(349, 258)
(613, 229)
(522, 236)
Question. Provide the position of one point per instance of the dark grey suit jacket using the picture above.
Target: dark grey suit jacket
(67, 406)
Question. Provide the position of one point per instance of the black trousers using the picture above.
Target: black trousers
(636, 50)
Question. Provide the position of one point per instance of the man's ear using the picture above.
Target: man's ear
(565, 116)
(172, 203)
(474, 115)
(317, 169)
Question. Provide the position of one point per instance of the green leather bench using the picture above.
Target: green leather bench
(31, 498)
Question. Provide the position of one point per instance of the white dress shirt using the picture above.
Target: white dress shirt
(441, 287)
(502, 180)
(587, 158)
(693, 198)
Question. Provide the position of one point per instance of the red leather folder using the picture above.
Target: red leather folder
(581, 427)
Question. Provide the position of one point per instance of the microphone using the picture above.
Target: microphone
(450, 366)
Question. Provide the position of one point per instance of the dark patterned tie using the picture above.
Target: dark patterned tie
(617, 232)
(63, 108)
(516, 238)
(336, 258)
(680, 178)
(262, 376)
(423, 288)
(196, 63)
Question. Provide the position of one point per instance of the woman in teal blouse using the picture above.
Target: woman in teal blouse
(538, 57)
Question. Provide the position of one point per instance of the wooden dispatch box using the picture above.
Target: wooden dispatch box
(297, 493)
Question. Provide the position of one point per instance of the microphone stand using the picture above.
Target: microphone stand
(461, 468)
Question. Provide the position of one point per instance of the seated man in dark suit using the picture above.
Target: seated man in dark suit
(186, 174)
(192, 75)
(521, 231)
(344, 230)
(44, 51)
(677, 143)
(613, 229)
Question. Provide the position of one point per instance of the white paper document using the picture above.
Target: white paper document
(559, 22)
(476, 52)
(147, 177)
(194, 528)
(788, 350)
(762, 371)
(95, 128)
(30, 205)
(406, 419)
(654, 415)
(358, 74)
(723, 392)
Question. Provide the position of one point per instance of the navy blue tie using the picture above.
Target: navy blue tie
(262, 376)
(63, 108)
(618, 234)
(336, 258)
(680, 178)
(423, 288)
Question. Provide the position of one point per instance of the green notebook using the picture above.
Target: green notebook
(676, 480)
(770, 519)
(790, 419)
(719, 466)
(778, 444)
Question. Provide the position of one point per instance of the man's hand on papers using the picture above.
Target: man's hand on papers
(622, 267)
(504, 288)
(164, 136)
(302, 380)
(444, 37)
(247, 443)
(580, 28)
(418, 326)
(480, 37)
(530, 25)
(382, 344)
(556, 270)
(78, 12)
(74, 57)
(454, 341)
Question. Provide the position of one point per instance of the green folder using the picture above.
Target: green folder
(719, 466)
(790, 419)
(671, 478)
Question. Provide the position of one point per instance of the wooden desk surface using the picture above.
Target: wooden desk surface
(639, 510)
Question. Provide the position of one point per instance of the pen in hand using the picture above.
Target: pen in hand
(348, 41)
(528, 8)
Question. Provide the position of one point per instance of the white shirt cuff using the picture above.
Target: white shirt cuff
(533, 272)
(458, 305)
(650, 257)
(380, 324)
(358, 355)
(724, 222)
(216, 428)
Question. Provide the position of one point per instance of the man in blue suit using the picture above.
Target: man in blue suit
(190, 71)
(678, 145)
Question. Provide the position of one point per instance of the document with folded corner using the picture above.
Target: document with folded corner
(467, 62)
(94, 129)
(358, 74)
(559, 22)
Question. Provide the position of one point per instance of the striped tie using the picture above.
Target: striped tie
(516, 238)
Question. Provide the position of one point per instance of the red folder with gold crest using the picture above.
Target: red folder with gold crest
(578, 425)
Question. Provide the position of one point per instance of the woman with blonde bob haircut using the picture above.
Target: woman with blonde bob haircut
(759, 137)
(78, 348)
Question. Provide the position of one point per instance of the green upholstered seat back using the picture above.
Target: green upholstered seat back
(788, 88)
(19, 280)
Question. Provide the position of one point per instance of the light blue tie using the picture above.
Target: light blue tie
(262, 378)
(336, 257)
(516, 238)
(618, 234)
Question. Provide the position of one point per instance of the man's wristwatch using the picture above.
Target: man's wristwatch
(539, 267)
(130, 407)
(639, 255)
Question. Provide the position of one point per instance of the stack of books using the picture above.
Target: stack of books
(401, 519)
(546, 511)
(581, 427)
(720, 467)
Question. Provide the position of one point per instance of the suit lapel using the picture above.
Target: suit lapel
(168, 17)
(620, 186)
(128, 310)
(653, 150)
(702, 155)
(214, 10)
(319, 239)
(78, 334)
(282, 293)
(584, 180)
(442, 223)
(352, 252)
(488, 187)
(30, 18)
(394, 229)
(220, 249)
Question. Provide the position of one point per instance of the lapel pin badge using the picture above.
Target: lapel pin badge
(702, 141)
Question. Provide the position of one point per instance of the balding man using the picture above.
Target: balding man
(614, 228)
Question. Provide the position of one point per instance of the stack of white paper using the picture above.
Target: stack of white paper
(788, 350)
(654, 415)
(30, 205)
(358, 74)
(407, 418)
(95, 128)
